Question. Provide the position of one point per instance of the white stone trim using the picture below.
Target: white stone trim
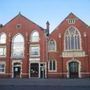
(30, 67)
(4, 46)
(39, 63)
(55, 46)
(45, 67)
(3, 33)
(16, 61)
(49, 66)
(30, 37)
(79, 69)
(4, 63)
(34, 45)
(73, 54)
(13, 43)
(79, 37)
(34, 60)
(57, 73)
(85, 72)
(71, 20)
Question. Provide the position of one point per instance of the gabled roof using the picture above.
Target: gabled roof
(71, 16)
(21, 16)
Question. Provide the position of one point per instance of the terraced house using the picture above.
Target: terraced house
(30, 51)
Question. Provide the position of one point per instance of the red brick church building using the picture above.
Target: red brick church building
(30, 51)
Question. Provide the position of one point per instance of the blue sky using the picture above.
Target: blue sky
(40, 11)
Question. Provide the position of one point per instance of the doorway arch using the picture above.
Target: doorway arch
(74, 69)
(16, 70)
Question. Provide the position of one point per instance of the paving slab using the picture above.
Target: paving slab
(46, 82)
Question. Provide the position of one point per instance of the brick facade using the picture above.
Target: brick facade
(80, 58)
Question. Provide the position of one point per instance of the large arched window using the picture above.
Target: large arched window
(2, 38)
(34, 36)
(52, 45)
(18, 46)
(72, 39)
(52, 65)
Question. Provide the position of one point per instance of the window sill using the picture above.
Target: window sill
(2, 72)
(31, 56)
(52, 51)
(17, 58)
(2, 56)
(52, 71)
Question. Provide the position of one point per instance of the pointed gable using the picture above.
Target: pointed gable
(70, 20)
(20, 22)
(71, 15)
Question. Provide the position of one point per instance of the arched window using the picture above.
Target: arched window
(35, 36)
(18, 46)
(72, 39)
(52, 65)
(52, 45)
(2, 38)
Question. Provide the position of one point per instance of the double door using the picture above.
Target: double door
(73, 70)
(37, 70)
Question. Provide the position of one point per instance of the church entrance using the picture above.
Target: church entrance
(73, 69)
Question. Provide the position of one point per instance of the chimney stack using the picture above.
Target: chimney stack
(47, 28)
(1, 25)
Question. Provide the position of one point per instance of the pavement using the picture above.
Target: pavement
(45, 84)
